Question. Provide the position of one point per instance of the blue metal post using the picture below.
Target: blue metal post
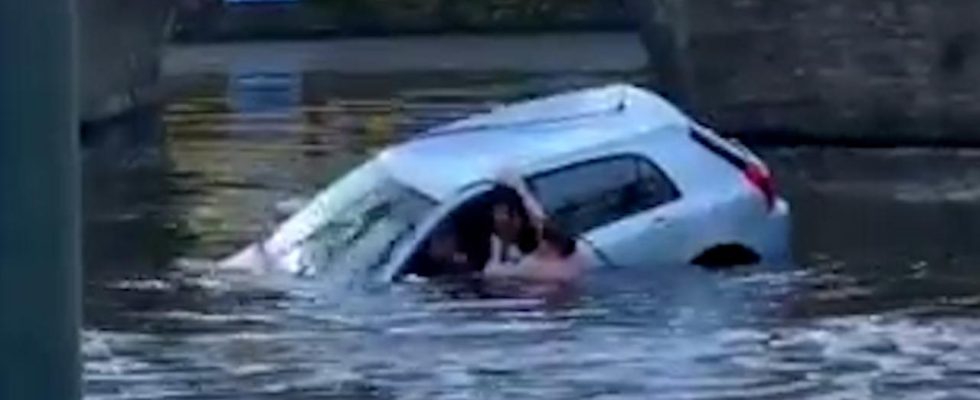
(39, 202)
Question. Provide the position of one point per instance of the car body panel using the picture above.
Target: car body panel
(521, 135)
(438, 215)
(651, 237)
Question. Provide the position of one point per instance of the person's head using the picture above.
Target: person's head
(508, 215)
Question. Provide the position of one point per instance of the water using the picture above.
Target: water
(883, 303)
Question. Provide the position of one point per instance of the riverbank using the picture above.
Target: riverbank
(593, 51)
(215, 21)
(119, 48)
(878, 72)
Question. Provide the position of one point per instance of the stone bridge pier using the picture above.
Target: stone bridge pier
(877, 72)
(120, 44)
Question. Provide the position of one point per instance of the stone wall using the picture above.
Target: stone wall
(120, 44)
(208, 20)
(868, 71)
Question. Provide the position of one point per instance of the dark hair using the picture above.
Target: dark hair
(527, 238)
(566, 245)
(507, 196)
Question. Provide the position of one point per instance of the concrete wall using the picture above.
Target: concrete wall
(208, 20)
(873, 71)
(120, 44)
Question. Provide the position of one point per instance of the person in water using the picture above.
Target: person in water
(523, 244)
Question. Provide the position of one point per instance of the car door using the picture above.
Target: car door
(438, 216)
(624, 206)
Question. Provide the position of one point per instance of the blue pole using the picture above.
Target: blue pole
(39, 202)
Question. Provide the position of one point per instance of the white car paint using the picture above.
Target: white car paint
(452, 163)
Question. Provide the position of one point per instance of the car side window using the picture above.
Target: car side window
(587, 195)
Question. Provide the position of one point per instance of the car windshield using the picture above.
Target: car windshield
(355, 225)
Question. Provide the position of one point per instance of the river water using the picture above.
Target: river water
(883, 302)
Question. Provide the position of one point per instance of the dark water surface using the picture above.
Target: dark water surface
(883, 303)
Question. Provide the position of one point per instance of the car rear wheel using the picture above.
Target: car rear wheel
(727, 256)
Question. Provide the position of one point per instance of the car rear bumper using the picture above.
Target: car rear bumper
(775, 239)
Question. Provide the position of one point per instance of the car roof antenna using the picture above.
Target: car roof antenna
(622, 101)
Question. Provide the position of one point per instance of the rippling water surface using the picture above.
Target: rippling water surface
(883, 303)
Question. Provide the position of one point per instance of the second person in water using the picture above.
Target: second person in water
(524, 244)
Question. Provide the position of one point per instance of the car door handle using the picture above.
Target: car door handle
(660, 221)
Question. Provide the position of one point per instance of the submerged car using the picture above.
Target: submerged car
(617, 166)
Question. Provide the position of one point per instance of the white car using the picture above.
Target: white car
(618, 167)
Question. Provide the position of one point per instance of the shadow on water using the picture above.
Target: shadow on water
(885, 229)
(882, 305)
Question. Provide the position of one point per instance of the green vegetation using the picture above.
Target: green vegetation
(471, 14)
(317, 18)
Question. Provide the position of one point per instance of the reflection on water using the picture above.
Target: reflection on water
(252, 92)
(883, 304)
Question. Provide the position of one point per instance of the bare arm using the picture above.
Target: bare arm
(534, 207)
(517, 182)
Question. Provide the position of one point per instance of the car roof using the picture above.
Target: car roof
(450, 157)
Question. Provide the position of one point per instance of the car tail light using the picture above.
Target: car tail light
(758, 175)
(754, 170)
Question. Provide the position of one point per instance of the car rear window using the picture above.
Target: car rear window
(587, 195)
